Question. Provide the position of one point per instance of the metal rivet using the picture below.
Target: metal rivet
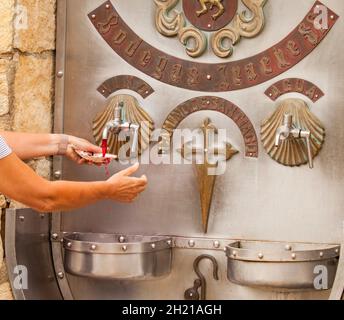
(235, 254)
(60, 74)
(60, 275)
(169, 242)
(216, 244)
(93, 247)
(93, 16)
(55, 236)
(208, 102)
(293, 256)
(61, 240)
(209, 25)
(270, 94)
(321, 254)
(288, 247)
(124, 248)
(332, 17)
(69, 244)
(42, 216)
(153, 245)
(57, 174)
(336, 251)
(107, 6)
(191, 243)
(21, 218)
(260, 256)
(121, 239)
(209, 77)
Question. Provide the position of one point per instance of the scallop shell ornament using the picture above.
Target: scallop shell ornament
(293, 152)
(132, 113)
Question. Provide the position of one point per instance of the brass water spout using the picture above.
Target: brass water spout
(287, 131)
(119, 124)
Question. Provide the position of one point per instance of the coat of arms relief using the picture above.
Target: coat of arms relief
(220, 18)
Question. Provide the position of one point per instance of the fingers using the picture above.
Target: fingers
(81, 161)
(127, 189)
(144, 179)
(92, 148)
(131, 170)
(141, 181)
(84, 145)
(74, 156)
(129, 198)
(136, 182)
(140, 188)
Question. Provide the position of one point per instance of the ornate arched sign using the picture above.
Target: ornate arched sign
(121, 82)
(208, 77)
(289, 85)
(211, 103)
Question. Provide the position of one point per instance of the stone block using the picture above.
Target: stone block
(33, 93)
(35, 25)
(4, 86)
(6, 25)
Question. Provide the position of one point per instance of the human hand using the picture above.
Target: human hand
(123, 188)
(73, 143)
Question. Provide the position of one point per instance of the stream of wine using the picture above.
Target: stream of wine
(106, 165)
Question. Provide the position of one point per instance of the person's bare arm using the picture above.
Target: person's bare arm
(34, 145)
(21, 183)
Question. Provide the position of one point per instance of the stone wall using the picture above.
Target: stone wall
(27, 46)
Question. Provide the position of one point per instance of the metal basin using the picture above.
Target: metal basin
(277, 265)
(106, 256)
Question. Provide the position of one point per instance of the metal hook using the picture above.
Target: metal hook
(201, 282)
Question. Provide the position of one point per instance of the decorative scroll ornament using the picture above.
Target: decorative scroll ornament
(293, 152)
(206, 181)
(246, 25)
(210, 15)
(133, 113)
(167, 24)
(200, 41)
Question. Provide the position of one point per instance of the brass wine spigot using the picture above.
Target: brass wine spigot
(288, 131)
(119, 124)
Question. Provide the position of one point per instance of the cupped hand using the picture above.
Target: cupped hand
(124, 188)
(82, 145)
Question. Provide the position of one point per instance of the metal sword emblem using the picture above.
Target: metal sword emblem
(206, 182)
